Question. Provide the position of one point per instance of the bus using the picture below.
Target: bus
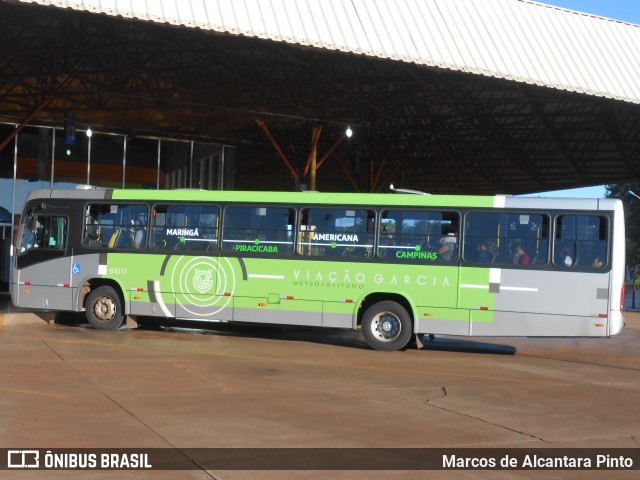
(391, 265)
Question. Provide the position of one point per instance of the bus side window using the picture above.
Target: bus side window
(336, 232)
(419, 236)
(184, 227)
(581, 241)
(265, 230)
(113, 225)
(517, 239)
(482, 240)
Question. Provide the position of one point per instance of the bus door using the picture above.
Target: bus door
(5, 265)
(43, 266)
(424, 246)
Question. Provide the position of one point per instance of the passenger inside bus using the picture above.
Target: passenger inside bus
(447, 248)
(520, 256)
(139, 234)
(483, 254)
(593, 255)
(564, 254)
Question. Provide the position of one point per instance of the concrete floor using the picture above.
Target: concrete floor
(69, 386)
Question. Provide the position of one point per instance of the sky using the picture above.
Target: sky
(624, 10)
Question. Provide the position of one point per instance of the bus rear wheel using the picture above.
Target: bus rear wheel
(104, 309)
(386, 326)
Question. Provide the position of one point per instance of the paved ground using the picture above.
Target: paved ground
(69, 386)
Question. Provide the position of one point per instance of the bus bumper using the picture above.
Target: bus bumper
(616, 323)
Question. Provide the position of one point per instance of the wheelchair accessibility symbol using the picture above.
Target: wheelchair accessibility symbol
(75, 269)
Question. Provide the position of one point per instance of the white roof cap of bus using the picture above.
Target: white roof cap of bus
(405, 190)
(85, 186)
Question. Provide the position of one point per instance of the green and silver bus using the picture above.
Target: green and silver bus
(390, 265)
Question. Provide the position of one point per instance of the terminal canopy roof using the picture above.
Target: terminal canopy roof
(502, 96)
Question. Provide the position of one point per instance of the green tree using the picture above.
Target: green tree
(629, 193)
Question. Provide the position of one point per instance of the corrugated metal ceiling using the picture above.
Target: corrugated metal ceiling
(512, 39)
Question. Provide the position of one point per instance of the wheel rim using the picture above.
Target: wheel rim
(386, 326)
(105, 309)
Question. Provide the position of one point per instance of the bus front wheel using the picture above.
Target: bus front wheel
(386, 326)
(104, 309)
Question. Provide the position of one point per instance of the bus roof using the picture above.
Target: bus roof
(313, 198)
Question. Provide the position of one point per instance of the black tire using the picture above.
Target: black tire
(387, 326)
(104, 309)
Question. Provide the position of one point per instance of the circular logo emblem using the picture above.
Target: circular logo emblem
(203, 284)
(202, 280)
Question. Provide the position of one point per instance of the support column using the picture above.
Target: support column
(124, 161)
(315, 134)
(292, 170)
(158, 165)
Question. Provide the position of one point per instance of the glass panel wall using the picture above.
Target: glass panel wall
(204, 166)
(43, 159)
(176, 160)
(141, 164)
(106, 163)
